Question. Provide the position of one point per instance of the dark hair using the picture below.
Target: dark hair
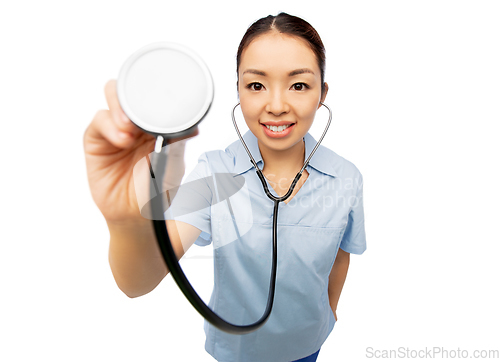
(286, 24)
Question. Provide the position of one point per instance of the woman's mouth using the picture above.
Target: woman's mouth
(277, 131)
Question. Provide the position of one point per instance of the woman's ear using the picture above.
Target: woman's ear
(323, 96)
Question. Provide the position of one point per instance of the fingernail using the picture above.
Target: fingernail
(123, 135)
(124, 117)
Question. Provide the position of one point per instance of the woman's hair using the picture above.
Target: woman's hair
(286, 24)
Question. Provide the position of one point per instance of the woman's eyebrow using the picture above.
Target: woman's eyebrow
(300, 71)
(291, 74)
(255, 71)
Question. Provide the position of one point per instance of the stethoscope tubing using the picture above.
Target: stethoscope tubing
(167, 251)
(180, 278)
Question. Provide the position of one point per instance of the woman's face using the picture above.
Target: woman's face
(279, 85)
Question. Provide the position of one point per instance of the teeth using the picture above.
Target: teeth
(278, 128)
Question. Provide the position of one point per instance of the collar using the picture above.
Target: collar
(322, 160)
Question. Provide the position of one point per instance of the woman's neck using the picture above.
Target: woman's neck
(283, 163)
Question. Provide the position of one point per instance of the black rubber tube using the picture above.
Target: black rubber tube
(160, 227)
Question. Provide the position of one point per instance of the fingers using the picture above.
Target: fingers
(103, 127)
(119, 117)
(115, 127)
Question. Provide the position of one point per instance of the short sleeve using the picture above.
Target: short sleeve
(354, 238)
(192, 202)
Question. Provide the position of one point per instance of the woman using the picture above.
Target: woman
(280, 66)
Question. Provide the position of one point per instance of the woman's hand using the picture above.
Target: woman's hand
(113, 145)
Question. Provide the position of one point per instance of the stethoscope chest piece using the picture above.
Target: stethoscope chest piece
(165, 89)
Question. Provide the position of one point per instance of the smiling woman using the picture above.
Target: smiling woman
(280, 85)
(281, 70)
(280, 67)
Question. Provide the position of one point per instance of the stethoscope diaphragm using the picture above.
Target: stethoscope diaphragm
(165, 89)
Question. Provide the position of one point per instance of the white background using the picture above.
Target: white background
(414, 86)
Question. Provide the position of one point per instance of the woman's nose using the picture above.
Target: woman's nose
(277, 104)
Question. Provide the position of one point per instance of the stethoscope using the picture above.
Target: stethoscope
(136, 73)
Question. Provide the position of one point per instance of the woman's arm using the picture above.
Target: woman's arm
(337, 279)
(135, 258)
(113, 146)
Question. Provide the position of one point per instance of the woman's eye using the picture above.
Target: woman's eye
(299, 86)
(255, 86)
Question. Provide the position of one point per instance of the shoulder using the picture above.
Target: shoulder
(342, 167)
(221, 161)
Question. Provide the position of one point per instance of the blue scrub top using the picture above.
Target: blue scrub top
(325, 214)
